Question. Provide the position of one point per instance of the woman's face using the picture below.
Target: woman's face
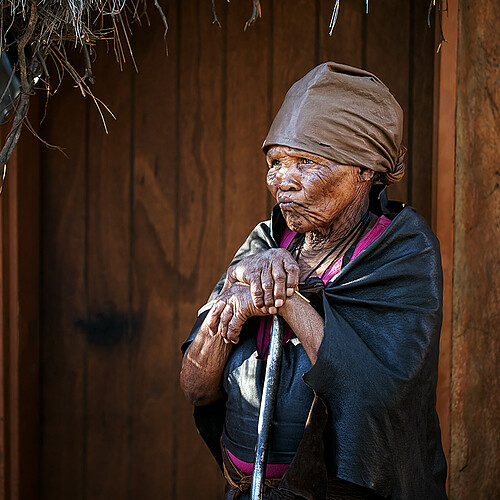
(312, 191)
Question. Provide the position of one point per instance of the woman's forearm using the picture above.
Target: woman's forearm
(202, 367)
(305, 322)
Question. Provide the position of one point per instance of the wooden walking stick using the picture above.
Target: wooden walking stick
(267, 404)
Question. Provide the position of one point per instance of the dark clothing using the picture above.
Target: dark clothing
(243, 400)
(305, 478)
(376, 369)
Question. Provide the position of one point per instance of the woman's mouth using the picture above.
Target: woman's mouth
(287, 205)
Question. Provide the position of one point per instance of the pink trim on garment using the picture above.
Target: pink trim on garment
(272, 470)
(379, 227)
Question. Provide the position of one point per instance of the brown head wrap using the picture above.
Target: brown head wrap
(344, 114)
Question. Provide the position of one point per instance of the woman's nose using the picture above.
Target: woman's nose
(288, 179)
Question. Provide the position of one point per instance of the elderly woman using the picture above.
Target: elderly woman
(358, 282)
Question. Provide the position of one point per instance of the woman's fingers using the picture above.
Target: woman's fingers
(225, 317)
(280, 284)
(273, 276)
(292, 275)
(267, 281)
(213, 316)
(234, 328)
(256, 290)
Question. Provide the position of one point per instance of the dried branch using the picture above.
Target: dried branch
(335, 15)
(163, 17)
(215, 20)
(25, 86)
(89, 76)
(256, 12)
(15, 131)
(24, 96)
(440, 12)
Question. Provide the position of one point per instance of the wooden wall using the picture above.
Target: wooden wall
(138, 225)
(475, 403)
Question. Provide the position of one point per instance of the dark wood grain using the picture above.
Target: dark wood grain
(63, 298)
(421, 130)
(26, 341)
(107, 384)
(388, 56)
(154, 362)
(291, 61)
(200, 217)
(346, 43)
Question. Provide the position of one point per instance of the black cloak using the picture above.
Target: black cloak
(376, 370)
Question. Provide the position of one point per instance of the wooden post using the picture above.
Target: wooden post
(443, 198)
(19, 323)
(475, 402)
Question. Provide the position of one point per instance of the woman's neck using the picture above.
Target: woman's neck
(324, 239)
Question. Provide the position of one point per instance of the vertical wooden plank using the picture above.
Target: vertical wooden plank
(108, 272)
(346, 43)
(156, 355)
(422, 42)
(200, 215)
(293, 56)
(4, 326)
(247, 122)
(9, 325)
(63, 297)
(444, 204)
(387, 56)
(475, 409)
(26, 339)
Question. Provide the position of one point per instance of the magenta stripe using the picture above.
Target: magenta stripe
(287, 237)
(272, 470)
(379, 227)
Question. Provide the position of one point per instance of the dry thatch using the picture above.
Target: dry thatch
(34, 35)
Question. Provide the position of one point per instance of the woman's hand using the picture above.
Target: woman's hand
(230, 311)
(273, 276)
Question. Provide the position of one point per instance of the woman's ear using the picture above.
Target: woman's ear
(366, 174)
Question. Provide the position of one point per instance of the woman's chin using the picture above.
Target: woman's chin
(296, 222)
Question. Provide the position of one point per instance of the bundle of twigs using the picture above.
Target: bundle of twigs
(35, 34)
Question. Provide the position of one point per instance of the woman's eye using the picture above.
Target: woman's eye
(306, 161)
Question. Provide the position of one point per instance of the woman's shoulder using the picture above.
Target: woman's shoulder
(408, 223)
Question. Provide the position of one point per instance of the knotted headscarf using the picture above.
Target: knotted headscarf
(344, 114)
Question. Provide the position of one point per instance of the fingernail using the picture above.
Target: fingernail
(273, 310)
(234, 341)
(226, 341)
(278, 302)
(289, 292)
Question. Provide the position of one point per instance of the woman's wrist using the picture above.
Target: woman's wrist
(305, 322)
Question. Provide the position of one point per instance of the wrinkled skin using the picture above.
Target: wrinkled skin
(317, 197)
(231, 310)
(272, 276)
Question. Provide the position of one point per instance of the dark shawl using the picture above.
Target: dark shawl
(376, 370)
